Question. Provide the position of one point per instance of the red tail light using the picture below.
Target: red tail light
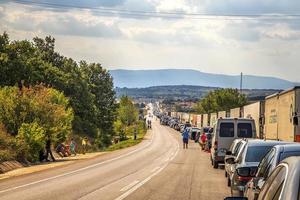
(216, 145)
(243, 178)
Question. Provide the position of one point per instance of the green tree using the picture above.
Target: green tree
(127, 117)
(34, 115)
(89, 87)
(220, 100)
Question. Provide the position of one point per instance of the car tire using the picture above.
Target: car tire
(215, 164)
(226, 174)
(228, 182)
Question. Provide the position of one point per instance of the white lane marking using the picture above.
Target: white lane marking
(126, 194)
(166, 160)
(127, 187)
(78, 170)
(155, 169)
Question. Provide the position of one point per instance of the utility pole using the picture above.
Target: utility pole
(241, 83)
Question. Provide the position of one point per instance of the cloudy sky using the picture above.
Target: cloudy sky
(251, 36)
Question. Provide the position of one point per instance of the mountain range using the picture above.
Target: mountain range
(147, 78)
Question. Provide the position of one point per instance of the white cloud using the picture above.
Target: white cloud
(262, 47)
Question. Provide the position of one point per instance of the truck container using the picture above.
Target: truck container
(194, 119)
(235, 113)
(186, 118)
(199, 121)
(205, 120)
(213, 119)
(256, 111)
(173, 114)
(282, 112)
(222, 114)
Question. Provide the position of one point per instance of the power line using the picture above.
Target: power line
(136, 13)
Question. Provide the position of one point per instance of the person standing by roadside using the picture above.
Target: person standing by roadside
(84, 144)
(135, 133)
(185, 138)
(48, 150)
(73, 147)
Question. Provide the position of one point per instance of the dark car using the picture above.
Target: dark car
(245, 165)
(268, 164)
(282, 184)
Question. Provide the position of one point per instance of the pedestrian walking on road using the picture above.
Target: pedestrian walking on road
(84, 144)
(185, 138)
(203, 140)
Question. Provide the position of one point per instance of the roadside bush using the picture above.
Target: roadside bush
(34, 138)
(7, 144)
(34, 115)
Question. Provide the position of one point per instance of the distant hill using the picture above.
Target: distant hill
(148, 78)
(183, 92)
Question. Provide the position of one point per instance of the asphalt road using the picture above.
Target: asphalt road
(157, 168)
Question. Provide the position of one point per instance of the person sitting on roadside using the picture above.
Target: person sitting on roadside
(185, 138)
(203, 140)
(61, 150)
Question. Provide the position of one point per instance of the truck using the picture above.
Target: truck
(256, 111)
(213, 118)
(205, 120)
(222, 114)
(199, 121)
(235, 113)
(282, 112)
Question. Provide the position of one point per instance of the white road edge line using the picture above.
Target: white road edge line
(127, 187)
(78, 170)
(126, 194)
(154, 169)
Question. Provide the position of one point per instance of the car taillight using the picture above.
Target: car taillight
(216, 145)
(244, 178)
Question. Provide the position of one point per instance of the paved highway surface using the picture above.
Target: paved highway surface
(157, 168)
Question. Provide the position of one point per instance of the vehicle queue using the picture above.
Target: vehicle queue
(256, 167)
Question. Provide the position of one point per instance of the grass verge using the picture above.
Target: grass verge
(126, 143)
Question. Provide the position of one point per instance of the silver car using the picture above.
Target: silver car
(282, 184)
(268, 164)
(246, 164)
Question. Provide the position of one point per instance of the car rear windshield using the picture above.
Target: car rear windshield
(245, 130)
(256, 153)
(289, 154)
(226, 129)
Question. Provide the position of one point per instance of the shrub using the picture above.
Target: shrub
(34, 137)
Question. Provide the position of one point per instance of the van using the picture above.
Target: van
(225, 131)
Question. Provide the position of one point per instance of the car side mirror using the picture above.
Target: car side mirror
(230, 160)
(228, 153)
(235, 198)
(295, 121)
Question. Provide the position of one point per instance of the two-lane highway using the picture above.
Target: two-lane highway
(157, 168)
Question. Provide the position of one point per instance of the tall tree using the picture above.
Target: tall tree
(221, 100)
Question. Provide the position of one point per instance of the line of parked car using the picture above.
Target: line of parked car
(194, 132)
(255, 169)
